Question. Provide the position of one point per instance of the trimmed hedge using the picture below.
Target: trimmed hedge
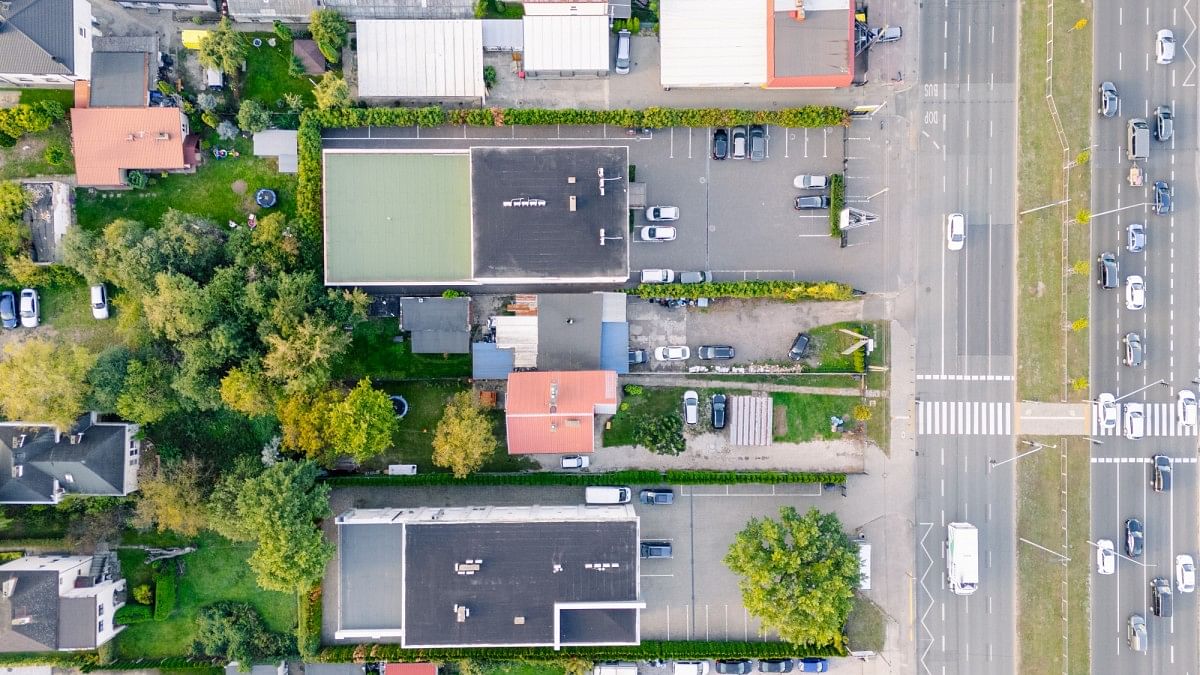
(164, 596)
(82, 660)
(174, 663)
(646, 651)
(837, 201)
(308, 628)
(674, 477)
(789, 291)
(134, 613)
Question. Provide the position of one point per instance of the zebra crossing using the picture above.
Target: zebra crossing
(964, 418)
(1160, 421)
(1139, 460)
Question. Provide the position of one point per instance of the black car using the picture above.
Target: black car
(1162, 198)
(718, 411)
(655, 496)
(799, 347)
(775, 665)
(720, 144)
(8, 309)
(719, 352)
(637, 356)
(758, 143)
(1106, 271)
(1135, 535)
(734, 666)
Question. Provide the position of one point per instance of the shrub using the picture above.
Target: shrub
(646, 651)
(1079, 324)
(164, 88)
(329, 29)
(624, 406)
(296, 67)
(308, 628)
(7, 141)
(837, 201)
(790, 291)
(197, 20)
(859, 360)
(661, 435)
(1079, 384)
(142, 594)
(164, 596)
(634, 390)
(56, 154)
(282, 31)
(253, 116)
(210, 118)
(137, 180)
(862, 413)
(30, 118)
(134, 614)
(1083, 216)
(227, 130)
(680, 477)
(450, 293)
(489, 76)
(635, 25)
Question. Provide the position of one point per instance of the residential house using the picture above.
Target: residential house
(554, 412)
(45, 42)
(40, 465)
(123, 68)
(437, 325)
(59, 602)
(111, 142)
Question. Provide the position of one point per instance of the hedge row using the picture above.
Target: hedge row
(655, 118)
(837, 201)
(29, 118)
(789, 291)
(173, 663)
(164, 596)
(672, 477)
(308, 628)
(134, 613)
(64, 659)
(646, 651)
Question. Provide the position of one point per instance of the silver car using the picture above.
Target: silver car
(1134, 351)
(1135, 238)
(1110, 102)
(622, 53)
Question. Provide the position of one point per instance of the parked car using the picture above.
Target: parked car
(1164, 123)
(717, 352)
(775, 665)
(674, 353)
(1160, 597)
(1164, 47)
(691, 407)
(814, 664)
(720, 149)
(758, 143)
(656, 549)
(734, 666)
(956, 231)
(718, 410)
(622, 66)
(8, 310)
(1106, 557)
(99, 301)
(30, 309)
(658, 276)
(1135, 292)
(1162, 198)
(662, 213)
(1135, 633)
(888, 34)
(689, 668)
(807, 182)
(813, 202)
(658, 233)
(1134, 353)
(637, 356)
(739, 142)
(657, 496)
(799, 347)
(1135, 238)
(1108, 410)
(1106, 270)
(1185, 573)
(1185, 407)
(695, 277)
(1134, 538)
(576, 461)
(1110, 102)
(1135, 421)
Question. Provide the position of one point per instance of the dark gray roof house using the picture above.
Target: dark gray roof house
(40, 465)
(437, 325)
(45, 42)
(59, 602)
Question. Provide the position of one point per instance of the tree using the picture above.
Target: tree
(463, 440)
(147, 396)
(282, 31)
(207, 101)
(329, 31)
(304, 418)
(235, 631)
(798, 575)
(222, 513)
(331, 92)
(108, 377)
(361, 425)
(223, 49)
(661, 434)
(13, 200)
(171, 497)
(227, 130)
(303, 361)
(253, 116)
(45, 381)
(179, 307)
(247, 391)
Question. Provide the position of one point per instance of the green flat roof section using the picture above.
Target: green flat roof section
(397, 217)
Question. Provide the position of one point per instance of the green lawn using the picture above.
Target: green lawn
(216, 571)
(374, 353)
(866, 627)
(655, 401)
(808, 415)
(824, 381)
(267, 78)
(68, 310)
(24, 160)
(828, 343)
(64, 96)
(208, 192)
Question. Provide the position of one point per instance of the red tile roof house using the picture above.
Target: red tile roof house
(554, 412)
(111, 142)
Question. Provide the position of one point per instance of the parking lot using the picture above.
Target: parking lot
(736, 216)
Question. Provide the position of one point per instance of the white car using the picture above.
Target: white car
(1164, 47)
(809, 182)
(676, 353)
(1108, 410)
(691, 407)
(1185, 407)
(1135, 292)
(956, 231)
(575, 461)
(30, 308)
(656, 214)
(658, 233)
(1185, 573)
(1106, 557)
(1135, 421)
(99, 301)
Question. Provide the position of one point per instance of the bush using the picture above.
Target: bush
(489, 76)
(56, 154)
(308, 630)
(859, 360)
(30, 118)
(134, 614)
(137, 180)
(662, 435)
(634, 390)
(142, 594)
(790, 291)
(862, 413)
(450, 293)
(296, 67)
(227, 130)
(837, 201)
(253, 116)
(657, 118)
(631, 477)
(210, 118)
(282, 31)
(164, 596)
(647, 650)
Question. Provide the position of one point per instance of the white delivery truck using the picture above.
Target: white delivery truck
(962, 558)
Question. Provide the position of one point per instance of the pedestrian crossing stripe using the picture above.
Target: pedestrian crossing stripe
(1139, 460)
(968, 378)
(1160, 421)
(964, 418)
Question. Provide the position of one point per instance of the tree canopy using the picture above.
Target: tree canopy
(329, 29)
(223, 49)
(171, 497)
(45, 381)
(798, 575)
(463, 440)
(331, 92)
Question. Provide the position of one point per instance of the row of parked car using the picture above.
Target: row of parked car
(808, 664)
(26, 312)
(740, 143)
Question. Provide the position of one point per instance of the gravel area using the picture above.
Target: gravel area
(712, 451)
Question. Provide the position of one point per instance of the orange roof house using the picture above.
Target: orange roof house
(554, 412)
(109, 142)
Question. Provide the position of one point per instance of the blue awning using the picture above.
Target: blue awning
(489, 362)
(614, 347)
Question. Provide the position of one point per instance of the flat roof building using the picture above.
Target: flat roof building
(421, 58)
(515, 576)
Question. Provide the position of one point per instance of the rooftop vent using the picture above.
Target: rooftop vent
(518, 621)
(76, 439)
(163, 136)
(524, 202)
(553, 396)
(22, 620)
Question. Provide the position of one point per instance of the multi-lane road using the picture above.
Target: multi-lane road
(1169, 327)
(964, 319)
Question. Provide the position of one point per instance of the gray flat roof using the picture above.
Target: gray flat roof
(549, 241)
(569, 331)
(120, 79)
(371, 566)
(819, 45)
(526, 569)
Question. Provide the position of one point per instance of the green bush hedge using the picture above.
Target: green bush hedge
(645, 651)
(656, 118)
(790, 291)
(65, 659)
(134, 613)
(173, 663)
(674, 477)
(837, 201)
(164, 596)
(29, 118)
(308, 628)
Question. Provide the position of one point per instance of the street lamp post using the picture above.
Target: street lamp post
(1036, 447)
(1164, 382)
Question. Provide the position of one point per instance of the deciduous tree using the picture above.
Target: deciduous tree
(303, 361)
(329, 31)
(235, 631)
(248, 391)
(45, 381)
(463, 440)
(171, 497)
(223, 49)
(253, 116)
(361, 424)
(146, 395)
(107, 377)
(331, 92)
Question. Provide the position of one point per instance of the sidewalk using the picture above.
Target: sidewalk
(683, 380)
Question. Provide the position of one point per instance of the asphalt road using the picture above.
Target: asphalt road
(965, 318)
(1169, 326)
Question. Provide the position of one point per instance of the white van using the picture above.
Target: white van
(605, 494)
(657, 276)
(615, 668)
(1139, 139)
(622, 52)
(962, 558)
(689, 668)
(215, 78)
